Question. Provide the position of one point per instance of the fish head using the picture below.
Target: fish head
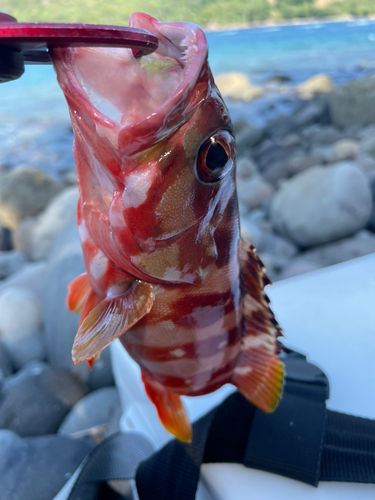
(155, 153)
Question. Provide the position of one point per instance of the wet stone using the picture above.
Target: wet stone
(37, 398)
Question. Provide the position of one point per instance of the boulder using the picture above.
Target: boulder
(344, 149)
(22, 236)
(31, 276)
(37, 468)
(362, 243)
(253, 192)
(60, 213)
(352, 103)
(248, 137)
(6, 367)
(37, 398)
(93, 410)
(10, 262)
(321, 135)
(245, 168)
(315, 85)
(24, 192)
(237, 86)
(322, 204)
(297, 267)
(60, 325)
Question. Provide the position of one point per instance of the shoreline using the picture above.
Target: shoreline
(301, 21)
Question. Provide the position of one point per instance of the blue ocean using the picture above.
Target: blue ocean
(341, 50)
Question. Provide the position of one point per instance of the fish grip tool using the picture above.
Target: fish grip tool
(301, 440)
(28, 43)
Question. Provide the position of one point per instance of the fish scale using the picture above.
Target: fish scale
(167, 271)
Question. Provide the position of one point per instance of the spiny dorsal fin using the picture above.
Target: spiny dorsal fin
(259, 373)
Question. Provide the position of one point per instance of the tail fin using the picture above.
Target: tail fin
(258, 374)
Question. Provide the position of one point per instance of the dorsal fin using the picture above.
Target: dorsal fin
(259, 373)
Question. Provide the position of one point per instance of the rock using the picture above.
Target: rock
(51, 459)
(269, 153)
(297, 267)
(60, 213)
(301, 162)
(314, 111)
(280, 126)
(6, 367)
(322, 204)
(93, 410)
(276, 172)
(70, 178)
(22, 236)
(245, 168)
(344, 149)
(24, 192)
(247, 138)
(321, 135)
(20, 313)
(367, 146)
(291, 140)
(351, 103)
(237, 86)
(10, 262)
(37, 398)
(362, 243)
(317, 84)
(366, 162)
(31, 276)
(23, 351)
(323, 153)
(60, 325)
(254, 191)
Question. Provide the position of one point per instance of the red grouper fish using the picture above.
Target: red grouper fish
(167, 271)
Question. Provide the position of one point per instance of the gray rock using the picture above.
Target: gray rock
(297, 267)
(323, 153)
(10, 262)
(37, 398)
(367, 146)
(93, 410)
(22, 236)
(322, 204)
(291, 140)
(60, 325)
(269, 153)
(344, 149)
(20, 314)
(254, 191)
(322, 135)
(25, 350)
(60, 213)
(6, 367)
(276, 171)
(280, 126)
(366, 162)
(245, 168)
(314, 111)
(349, 103)
(24, 192)
(37, 468)
(362, 243)
(301, 162)
(31, 276)
(248, 137)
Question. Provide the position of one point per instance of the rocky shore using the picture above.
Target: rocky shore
(306, 187)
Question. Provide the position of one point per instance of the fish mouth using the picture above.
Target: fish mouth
(119, 91)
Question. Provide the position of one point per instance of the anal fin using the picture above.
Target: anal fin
(258, 374)
(78, 291)
(171, 410)
(109, 319)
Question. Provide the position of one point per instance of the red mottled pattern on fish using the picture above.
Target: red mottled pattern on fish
(167, 271)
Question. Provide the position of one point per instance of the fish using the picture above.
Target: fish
(167, 272)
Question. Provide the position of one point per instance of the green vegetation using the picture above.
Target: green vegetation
(203, 12)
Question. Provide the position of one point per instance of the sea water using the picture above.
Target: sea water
(34, 125)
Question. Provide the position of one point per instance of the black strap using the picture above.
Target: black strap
(300, 440)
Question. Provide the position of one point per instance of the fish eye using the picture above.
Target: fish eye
(215, 157)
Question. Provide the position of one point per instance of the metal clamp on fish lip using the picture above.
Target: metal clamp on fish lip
(28, 43)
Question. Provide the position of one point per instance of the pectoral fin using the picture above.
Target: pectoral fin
(258, 374)
(170, 408)
(111, 318)
(78, 291)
